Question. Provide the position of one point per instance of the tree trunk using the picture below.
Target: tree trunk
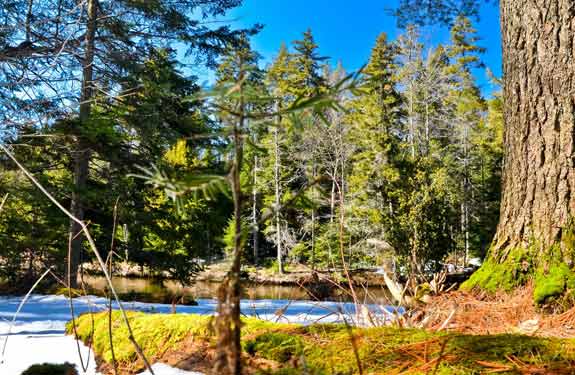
(314, 197)
(539, 94)
(277, 184)
(228, 324)
(255, 217)
(534, 233)
(81, 154)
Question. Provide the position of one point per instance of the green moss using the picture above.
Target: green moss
(328, 349)
(155, 333)
(277, 346)
(551, 275)
(493, 275)
(568, 238)
(551, 283)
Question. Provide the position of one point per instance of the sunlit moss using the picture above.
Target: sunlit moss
(551, 271)
(330, 348)
(514, 271)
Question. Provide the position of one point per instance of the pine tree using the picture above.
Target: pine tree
(468, 108)
(278, 82)
(305, 69)
(376, 119)
(238, 78)
(253, 86)
(293, 77)
(96, 44)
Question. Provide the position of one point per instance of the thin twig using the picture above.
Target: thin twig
(4, 201)
(354, 346)
(110, 258)
(446, 322)
(20, 308)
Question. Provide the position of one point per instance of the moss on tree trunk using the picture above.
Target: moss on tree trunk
(549, 268)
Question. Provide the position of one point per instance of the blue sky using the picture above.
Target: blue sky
(346, 30)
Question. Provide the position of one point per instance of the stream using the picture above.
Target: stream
(251, 291)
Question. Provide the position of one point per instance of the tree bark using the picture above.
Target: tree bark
(228, 324)
(535, 238)
(539, 93)
(277, 186)
(81, 154)
(255, 216)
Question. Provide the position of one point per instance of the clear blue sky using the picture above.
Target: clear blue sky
(346, 30)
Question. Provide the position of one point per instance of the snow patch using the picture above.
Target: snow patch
(37, 335)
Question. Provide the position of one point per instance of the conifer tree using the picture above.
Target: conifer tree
(95, 43)
(293, 77)
(278, 82)
(468, 109)
(376, 120)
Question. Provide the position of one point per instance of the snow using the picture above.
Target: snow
(162, 369)
(37, 335)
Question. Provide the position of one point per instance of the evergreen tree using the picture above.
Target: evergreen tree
(96, 44)
(468, 111)
(376, 120)
(305, 70)
(274, 174)
(293, 77)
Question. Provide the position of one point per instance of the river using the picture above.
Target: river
(208, 289)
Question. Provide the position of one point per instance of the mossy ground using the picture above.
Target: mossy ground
(329, 349)
(551, 271)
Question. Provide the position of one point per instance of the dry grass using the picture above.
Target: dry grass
(483, 314)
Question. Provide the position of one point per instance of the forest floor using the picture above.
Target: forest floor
(481, 314)
(463, 334)
(454, 333)
(186, 341)
(459, 333)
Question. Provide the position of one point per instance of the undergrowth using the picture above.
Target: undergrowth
(329, 348)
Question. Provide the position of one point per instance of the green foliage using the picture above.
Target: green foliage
(423, 12)
(31, 229)
(147, 127)
(279, 347)
(334, 167)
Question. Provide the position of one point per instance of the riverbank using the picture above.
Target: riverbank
(186, 341)
(295, 274)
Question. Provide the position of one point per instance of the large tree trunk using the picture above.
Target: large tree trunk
(539, 69)
(539, 175)
(81, 154)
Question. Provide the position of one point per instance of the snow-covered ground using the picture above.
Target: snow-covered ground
(37, 335)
